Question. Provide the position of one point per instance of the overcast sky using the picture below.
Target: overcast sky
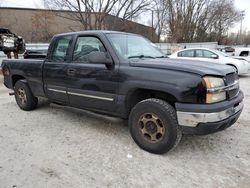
(241, 5)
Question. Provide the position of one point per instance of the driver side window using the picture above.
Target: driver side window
(84, 46)
(60, 49)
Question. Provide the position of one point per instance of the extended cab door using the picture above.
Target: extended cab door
(91, 86)
(55, 70)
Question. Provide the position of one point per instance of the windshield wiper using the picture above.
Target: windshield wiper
(141, 56)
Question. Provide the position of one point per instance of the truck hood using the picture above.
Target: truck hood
(197, 67)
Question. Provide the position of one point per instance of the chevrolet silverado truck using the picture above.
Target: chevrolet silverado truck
(125, 75)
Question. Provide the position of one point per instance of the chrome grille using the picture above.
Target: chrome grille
(230, 79)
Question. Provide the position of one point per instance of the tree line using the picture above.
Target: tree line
(179, 20)
(196, 20)
(173, 20)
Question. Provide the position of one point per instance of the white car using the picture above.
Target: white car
(214, 56)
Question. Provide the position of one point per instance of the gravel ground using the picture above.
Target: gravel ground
(55, 146)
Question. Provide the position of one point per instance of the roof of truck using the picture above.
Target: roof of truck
(94, 32)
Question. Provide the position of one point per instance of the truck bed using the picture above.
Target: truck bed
(29, 69)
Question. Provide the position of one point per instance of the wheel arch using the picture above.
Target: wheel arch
(15, 78)
(138, 94)
(230, 64)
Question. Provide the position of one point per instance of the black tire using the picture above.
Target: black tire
(24, 97)
(147, 135)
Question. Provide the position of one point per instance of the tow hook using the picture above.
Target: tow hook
(10, 94)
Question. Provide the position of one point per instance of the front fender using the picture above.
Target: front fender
(185, 87)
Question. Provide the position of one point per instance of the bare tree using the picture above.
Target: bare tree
(42, 22)
(129, 9)
(234, 39)
(159, 11)
(224, 15)
(181, 20)
(199, 20)
(92, 13)
(184, 17)
(246, 38)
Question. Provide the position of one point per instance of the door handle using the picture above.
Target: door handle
(71, 71)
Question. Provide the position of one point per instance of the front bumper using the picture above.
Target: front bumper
(208, 128)
(208, 118)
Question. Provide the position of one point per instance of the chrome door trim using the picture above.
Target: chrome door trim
(91, 96)
(81, 95)
(57, 90)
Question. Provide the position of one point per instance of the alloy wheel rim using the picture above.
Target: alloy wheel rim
(22, 96)
(151, 127)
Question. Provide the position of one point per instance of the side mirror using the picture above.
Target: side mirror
(97, 57)
(214, 56)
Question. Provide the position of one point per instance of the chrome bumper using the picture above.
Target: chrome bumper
(192, 119)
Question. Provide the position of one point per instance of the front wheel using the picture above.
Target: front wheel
(153, 126)
(24, 97)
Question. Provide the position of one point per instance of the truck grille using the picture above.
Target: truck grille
(230, 79)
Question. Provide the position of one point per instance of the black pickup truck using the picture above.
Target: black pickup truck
(125, 75)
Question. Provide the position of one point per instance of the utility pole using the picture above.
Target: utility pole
(152, 19)
(242, 14)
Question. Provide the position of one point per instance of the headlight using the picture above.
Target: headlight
(213, 85)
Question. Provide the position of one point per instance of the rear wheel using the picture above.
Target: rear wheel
(153, 126)
(24, 97)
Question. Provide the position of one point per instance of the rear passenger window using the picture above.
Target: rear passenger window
(179, 54)
(186, 53)
(60, 49)
(199, 53)
(86, 45)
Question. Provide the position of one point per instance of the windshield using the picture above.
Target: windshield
(133, 46)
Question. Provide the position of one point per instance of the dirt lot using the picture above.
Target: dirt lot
(55, 146)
